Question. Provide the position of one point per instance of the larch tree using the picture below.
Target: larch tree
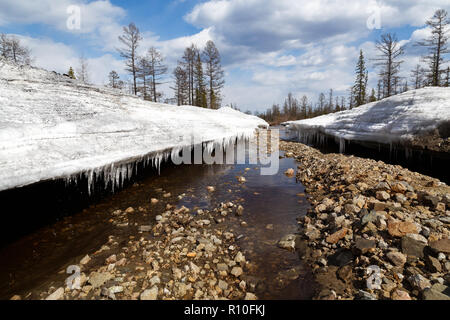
(214, 74)
(83, 70)
(143, 71)
(188, 62)
(157, 70)
(114, 80)
(12, 49)
(417, 76)
(181, 85)
(447, 77)
(304, 106)
(437, 45)
(130, 39)
(388, 61)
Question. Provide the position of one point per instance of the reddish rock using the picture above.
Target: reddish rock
(400, 295)
(338, 235)
(400, 229)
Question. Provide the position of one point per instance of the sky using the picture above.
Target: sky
(268, 47)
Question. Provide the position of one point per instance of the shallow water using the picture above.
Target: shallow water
(39, 259)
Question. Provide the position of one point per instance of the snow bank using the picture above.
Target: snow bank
(391, 120)
(55, 127)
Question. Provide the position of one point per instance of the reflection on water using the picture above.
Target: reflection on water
(272, 204)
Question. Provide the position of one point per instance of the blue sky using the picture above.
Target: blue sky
(268, 47)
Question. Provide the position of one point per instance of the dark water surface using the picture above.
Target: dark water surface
(40, 258)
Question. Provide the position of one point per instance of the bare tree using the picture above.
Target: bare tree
(304, 106)
(181, 85)
(417, 76)
(188, 62)
(388, 60)
(143, 70)
(437, 45)
(83, 70)
(12, 49)
(447, 77)
(114, 80)
(214, 74)
(130, 39)
(157, 70)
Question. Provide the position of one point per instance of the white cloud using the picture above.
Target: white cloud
(94, 15)
(268, 47)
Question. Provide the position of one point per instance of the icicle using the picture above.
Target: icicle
(341, 145)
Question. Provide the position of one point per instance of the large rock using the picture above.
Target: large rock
(418, 281)
(412, 245)
(97, 279)
(150, 294)
(363, 246)
(338, 235)
(433, 264)
(397, 258)
(442, 245)
(288, 242)
(437, 292)
(400, 295)
(383, 195)
(400, 228)
(57, 295)
(341, 257)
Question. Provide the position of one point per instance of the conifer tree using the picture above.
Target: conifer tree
(71, 73)
(359, 88)
(372, 97)
(200, 90)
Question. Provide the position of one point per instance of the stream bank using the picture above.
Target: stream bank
(375, 231)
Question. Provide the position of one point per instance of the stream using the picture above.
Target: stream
(272, 204)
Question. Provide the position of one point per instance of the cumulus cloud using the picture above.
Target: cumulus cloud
(94, 15)
(268, 48)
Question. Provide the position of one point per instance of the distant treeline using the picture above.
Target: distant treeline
(388, 61)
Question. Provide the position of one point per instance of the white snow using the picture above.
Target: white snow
(391, 120)
(54, 127)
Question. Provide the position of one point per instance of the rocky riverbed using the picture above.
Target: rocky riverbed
(180, 255)
(375, 231)
(193, 232)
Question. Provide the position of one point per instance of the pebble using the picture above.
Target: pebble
(397, 258)
(149, 294)
(85, 260)
(57, 295)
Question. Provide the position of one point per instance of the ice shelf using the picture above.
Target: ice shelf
(391, 121)
(53, 127)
